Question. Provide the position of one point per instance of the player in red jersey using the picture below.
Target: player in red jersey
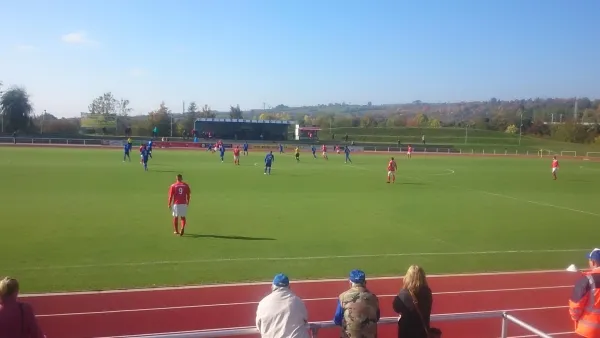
(236, 155)
(142, 148)
(392, 167)
(179, 197)
(409, 151)
(555, 167)
(325, 152)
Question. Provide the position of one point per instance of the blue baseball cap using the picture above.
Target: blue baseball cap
(594, 255)
(357, 277)
(281, 280)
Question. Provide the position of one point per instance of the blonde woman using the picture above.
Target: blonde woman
(17, 319)
(412, 303)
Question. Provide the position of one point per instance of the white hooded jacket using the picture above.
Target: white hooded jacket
(282, 314)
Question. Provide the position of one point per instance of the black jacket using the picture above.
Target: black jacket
(410, 325)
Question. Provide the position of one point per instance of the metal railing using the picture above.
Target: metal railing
(316, 326)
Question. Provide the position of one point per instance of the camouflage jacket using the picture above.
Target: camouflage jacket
(361, 313)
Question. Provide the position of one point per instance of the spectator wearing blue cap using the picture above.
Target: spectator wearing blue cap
(584, 304)
(281, 313)
(357, 309)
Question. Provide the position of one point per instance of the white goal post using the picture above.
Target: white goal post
(545, 152)
(568, 153)
(593, 154)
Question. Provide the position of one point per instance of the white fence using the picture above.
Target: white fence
(417, 149)
(315, 327)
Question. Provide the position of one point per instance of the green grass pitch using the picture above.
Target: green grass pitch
(81, 219)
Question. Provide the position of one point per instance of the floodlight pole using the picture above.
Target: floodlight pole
(1, 92)
(42, 125)
(521, 127)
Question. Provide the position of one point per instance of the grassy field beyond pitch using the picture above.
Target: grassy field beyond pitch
(76, 219)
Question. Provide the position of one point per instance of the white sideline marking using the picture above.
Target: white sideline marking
(448, 172)
(501, 195)
(307, 281)
(550, 334)
(305, 300)
(298, 258)
(450, 314)
(540, 203)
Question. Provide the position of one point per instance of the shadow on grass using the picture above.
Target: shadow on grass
(412, 183)
(239, 238)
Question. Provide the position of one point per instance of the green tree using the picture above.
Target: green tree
(161, 118)
(511, 129)
(207, 112)
(435, 123)
(123, 108)
(235, 112)
(192, 108)
(189, 117)
(104, 104)
(16, 110)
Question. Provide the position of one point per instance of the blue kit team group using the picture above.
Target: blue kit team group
(146, 154)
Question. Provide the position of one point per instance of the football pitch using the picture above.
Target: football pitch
(81, 219)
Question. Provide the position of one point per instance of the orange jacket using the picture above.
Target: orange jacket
(584, 305)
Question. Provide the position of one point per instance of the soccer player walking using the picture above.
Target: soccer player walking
(269, 159)
(347, 152)
(145, 155)
(555, 167)
(126, 149)
(236, 155)
(392, 167)
(179, 197)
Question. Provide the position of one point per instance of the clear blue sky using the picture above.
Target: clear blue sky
(246, 52)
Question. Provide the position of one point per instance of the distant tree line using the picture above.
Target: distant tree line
(533, 116)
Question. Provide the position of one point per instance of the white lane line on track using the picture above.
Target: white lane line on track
(306, 281)
(305, 300)
(550, 334)
(298, 258)
(457, 313)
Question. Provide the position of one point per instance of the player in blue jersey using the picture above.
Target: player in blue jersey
(222, 152)
(347, 152)
(145, 154)
(280, 148)
(245, 148)
(269, 159)
(126, 149)
(314, 151)
(149, 148)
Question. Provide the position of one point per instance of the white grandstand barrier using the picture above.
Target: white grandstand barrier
(568, 153)
(592, 154)
(316, 326)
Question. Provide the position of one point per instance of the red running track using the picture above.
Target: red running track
(539, 298)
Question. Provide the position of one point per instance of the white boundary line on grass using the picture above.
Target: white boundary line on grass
(543, 204)
(540, 203)
(307, 281)
(296, 258)
(320, 299)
